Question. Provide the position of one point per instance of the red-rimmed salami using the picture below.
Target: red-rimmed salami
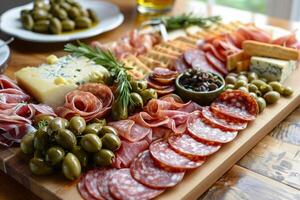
(90, 181)
(223, 124)
(83, 191)
(102, 182)
(188, 146)
(216, 63)
(165, 91)
(164, 73)
(235, 105)
(170, 160)
(205, 133)
(144, 170)
(123, 187)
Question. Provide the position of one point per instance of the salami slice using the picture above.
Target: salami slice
(189, 147)
(192, 54)
(102, 182)
(216, 63)
(180, 65)
(235, 105)
(90, 181)
(123, 187)
(220, 123)
(164, 73)
(156, 85)
(83, 191)
(144, 170)
(204, 132)
(170, 160)
(165, 91)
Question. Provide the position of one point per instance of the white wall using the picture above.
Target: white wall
(7, 4)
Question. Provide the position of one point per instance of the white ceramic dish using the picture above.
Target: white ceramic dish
(109, 15)
(4, 56)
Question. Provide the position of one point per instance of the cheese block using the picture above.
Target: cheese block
(272, 69)
(49, 83)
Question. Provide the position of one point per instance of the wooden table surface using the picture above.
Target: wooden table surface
(271, 169)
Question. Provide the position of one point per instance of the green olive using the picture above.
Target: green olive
(111, 141)
(252, 94)
(272, 97)
(287, 91)
(39, 154)
(138, 86)
(71, 167)
(103, 157)
(245, 73)
(92, 15)
(265, 88)
(137, 100)
(232, 74)
(41, 140)
(244, 89)
(84, 12)
(83, 22)
(58, 123)
(99, 121)
(66, 6)
(91, 143)
(94, 128)
(39, 14)
(38, 166)
(25, 12)
(252, 87)
(42, 117)
(82, 155)
(55, 26)
(252, 76)
(229, 86)
(41, 26)
(240, 83)
(68, 25)
(65, 138)
(258, 93)
(263, 79)
(148, 94)
(40, 5)
(77, 125)
(261, 103)
(258, 83)
(118, 111)
(230, 80)
(60, 13)
(108, 129)
(74, 13)
(26, 145)
(243, 77)
(276, 86)
(54, 155)
(27, 22)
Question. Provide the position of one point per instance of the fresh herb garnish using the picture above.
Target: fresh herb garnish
(185, 20)
(106, 59)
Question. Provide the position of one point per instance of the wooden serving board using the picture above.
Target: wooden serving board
(196, 182)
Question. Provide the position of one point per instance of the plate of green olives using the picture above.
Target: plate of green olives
(60, 20)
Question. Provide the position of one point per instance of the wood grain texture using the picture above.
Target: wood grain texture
(240, 183)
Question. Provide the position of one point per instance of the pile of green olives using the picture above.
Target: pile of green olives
(69, 145)
(140, 95)
(57, 16)
(264, 92)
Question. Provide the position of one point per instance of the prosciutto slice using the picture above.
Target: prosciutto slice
(130, 130)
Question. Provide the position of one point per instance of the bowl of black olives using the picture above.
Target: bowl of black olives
(199, 86)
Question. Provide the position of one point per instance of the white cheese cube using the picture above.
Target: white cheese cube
(49, 83)
(272, 69)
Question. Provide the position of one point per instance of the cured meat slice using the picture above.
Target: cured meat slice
(216, 63)
(205, 133)
(189, 147)
(102, 182)
(160, 72)
(144, 170)
(170, 160)
(215, 121)
(91, 184)
(123, 187)
(165, 91)
(191, 55)
(130, 130)
(156, 85)
(180, 65)
(83, 191)
(235, 105)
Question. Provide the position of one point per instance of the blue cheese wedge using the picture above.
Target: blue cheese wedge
(49, 83)
(272, 69)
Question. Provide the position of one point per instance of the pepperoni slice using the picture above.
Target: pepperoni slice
(192, 54)
(216, 63)
(164, 73)
(90, 181)
(144, 170)
(168, 90)
(180, 65)
(123, 187)
(204, 132)
(224, 124)
(170, 160)
(189, 147)
(102, 182)
(156, 85)
(83, 191)
(235, 105)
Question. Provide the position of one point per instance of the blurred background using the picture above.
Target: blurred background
(284, 9)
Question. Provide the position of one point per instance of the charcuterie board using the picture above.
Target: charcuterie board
(239, 109)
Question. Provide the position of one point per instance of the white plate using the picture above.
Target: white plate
(4, 56)
(109, 15)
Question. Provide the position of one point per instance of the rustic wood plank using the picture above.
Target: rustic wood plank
(240, 183)
(275, 159)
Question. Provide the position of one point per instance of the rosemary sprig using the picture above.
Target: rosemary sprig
(106, 59)
(185, 20)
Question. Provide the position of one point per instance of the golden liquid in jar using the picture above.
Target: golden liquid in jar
(155, 5)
